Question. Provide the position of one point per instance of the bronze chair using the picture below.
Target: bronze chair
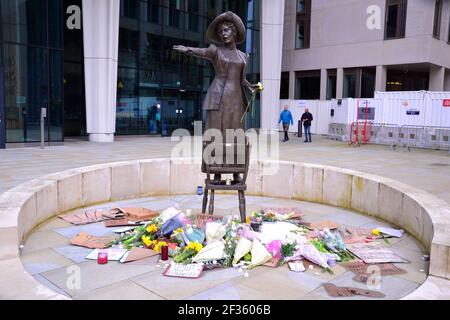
(238, 169)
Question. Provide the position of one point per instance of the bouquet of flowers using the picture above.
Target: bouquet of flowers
(334, 243)
(145, 235)
(270, 215)
(188, 252)
(231, 240)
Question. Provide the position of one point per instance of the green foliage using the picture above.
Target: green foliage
(345, 256)
(288, 250)
(319, 245)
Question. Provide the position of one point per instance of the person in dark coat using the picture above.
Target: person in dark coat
(306, 120)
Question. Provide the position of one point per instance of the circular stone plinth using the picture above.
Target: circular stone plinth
(53, 261)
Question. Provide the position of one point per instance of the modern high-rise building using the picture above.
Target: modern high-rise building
(351, 48)
(105, 67)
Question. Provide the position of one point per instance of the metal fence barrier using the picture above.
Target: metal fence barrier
(338, 132)
(406, 136)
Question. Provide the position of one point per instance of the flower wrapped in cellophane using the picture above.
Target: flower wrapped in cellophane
(188, 252)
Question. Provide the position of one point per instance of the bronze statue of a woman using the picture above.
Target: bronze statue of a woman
(226, 99)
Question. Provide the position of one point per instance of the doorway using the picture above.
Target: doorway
(180, 109)
(35, 82)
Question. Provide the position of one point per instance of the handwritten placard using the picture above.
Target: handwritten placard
(192, 271)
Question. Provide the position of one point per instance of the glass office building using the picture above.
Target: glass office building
(158, 89)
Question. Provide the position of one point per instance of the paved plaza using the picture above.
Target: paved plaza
(47, 255)
(47, 252)
(428, 170)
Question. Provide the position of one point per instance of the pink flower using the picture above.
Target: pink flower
(275, 248)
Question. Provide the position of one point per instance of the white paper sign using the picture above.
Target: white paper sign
(113, 254)
(124, 229)
(193, 270)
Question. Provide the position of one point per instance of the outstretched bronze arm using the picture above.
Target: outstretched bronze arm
(205, 53)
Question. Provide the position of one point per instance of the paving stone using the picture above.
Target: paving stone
(124, 290)
(50, 285)
(43, 240)
(96, 229)
(278, 282)
(74, 253)
(90, 272)
(411, 252)
(350, 219)
(413, 271)
(323, 275)
(232, 291)
(392, 287)
(164, 286)
(43, 260)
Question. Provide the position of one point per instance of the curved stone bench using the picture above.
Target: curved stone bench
(26, 206)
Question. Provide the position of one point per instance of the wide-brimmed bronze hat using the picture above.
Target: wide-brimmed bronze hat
(211, 33)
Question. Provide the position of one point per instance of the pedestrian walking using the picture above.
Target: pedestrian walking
(286, 119)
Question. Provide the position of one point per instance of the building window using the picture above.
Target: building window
(437, 19)
(368, 82)
(359, 82)
(350, 83)
(193, 21)
(130, 8)
(284, 88)
(307, 85)
(331, 84)
(303, 27)
(403, 80)
(395, 19)
(153, 11)
(175, 13)
(448, 40)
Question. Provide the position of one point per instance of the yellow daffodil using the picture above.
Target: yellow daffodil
(152, 228)
(196, 246)
(260, 87)
(376, 232)
(179, 230)
(146, 240)
(158, 246)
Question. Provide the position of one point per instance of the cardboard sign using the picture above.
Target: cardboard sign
(272, 263)
(136, 254)
(89, 241)
(374, 253)
(446, 103)
(326, 224)
(191, 271)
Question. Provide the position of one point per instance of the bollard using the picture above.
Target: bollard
(43, 115)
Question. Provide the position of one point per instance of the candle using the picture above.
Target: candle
(164, 253)
(331, 262)
(102, 257)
